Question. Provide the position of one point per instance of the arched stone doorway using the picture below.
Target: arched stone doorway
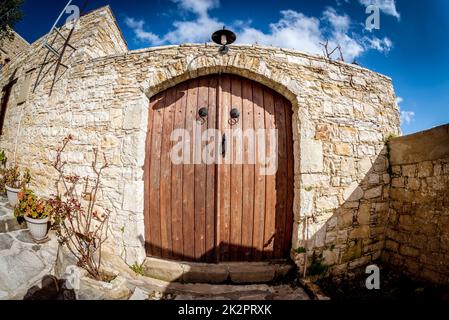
(235, 207)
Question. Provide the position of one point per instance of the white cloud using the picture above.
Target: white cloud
(351, 48)
(341, 23)
(138, 27)
(382, 45)
(199, 7)
(340, 2)
(387, 6)
(407, 117)
(293, 30)
(197, 30)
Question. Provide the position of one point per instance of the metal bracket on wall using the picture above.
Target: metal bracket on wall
(57, 53)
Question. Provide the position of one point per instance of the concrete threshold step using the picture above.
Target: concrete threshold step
(232, 272)
(202, 291)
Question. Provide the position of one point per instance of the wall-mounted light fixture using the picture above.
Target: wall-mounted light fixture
(224, 38)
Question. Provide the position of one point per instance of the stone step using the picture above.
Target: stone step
(201, 291)
(232, 272)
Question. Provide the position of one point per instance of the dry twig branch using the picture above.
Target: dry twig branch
(80, 227)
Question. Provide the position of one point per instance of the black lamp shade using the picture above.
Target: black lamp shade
(230, 36)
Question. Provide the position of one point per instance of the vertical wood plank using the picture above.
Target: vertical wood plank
(291, 176)
(259, 180)
(248, 170)
(165, 178)
(211, 172)
(155, 165)
(281, 178)
(224, 170)
(270, 179)
(177, 179)
(200, 173)
(236, 171)
(188, 197)
(147, 172)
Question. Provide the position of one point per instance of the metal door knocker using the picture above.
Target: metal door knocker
(203, 113)
(235, 115)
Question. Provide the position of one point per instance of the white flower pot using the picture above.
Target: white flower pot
(38, 228)
(12, 195)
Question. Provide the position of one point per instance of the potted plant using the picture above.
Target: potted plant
(3, 160)
(14, 182)
(35, 211)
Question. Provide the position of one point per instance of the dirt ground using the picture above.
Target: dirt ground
(394, 286)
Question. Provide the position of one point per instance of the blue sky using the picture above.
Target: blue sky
(411, 46)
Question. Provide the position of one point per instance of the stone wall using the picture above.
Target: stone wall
(96, 35)
(9, 49)
(417, 240)
(343, 115)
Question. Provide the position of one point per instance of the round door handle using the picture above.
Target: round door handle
(235, 113)
(203, 112)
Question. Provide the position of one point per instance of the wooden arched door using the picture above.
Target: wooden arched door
(235, 207)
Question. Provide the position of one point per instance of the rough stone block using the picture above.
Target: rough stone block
(311, 156)
(391, 245)
(163, 270)
(327, 203)
(133, 196)
(373, 193)
(362, 232)
(251, 273)
(343, 149)
(364, 214)
(409, 170)
(204, 273)
(408, 251)
(352, 252)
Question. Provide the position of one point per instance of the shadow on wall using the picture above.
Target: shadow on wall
(417, 241)
(354, 235)
(349, 237)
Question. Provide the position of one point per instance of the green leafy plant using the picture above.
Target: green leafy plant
(13, 178)
(31, 206)
(390, 137)
(137, 268)
(3, 161)
(300, 250)
(3, 158)
(317, 266)
(10, 13)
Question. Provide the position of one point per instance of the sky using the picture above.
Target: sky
(411, 45)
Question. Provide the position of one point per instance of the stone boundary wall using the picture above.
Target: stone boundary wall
(11, 48)
(417, 239)
(342, 117)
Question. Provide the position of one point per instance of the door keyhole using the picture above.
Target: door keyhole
(223, 146)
